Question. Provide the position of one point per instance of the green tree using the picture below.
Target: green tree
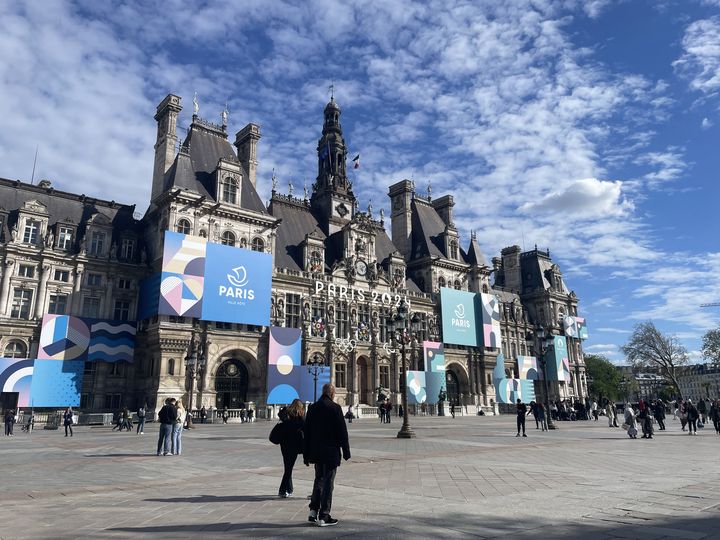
(711, 346)
(649, 348)
(603, 377)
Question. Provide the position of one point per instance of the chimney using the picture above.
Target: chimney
(246, 143)
(511, 268)
(401, 195)
(443, 206)
(166, 117)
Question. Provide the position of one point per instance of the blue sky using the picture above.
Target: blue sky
(589, 127)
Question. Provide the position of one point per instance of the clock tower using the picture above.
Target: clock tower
(333, 201)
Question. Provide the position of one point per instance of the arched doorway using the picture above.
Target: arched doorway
(364, 381)
(452, 387)
(231, 384)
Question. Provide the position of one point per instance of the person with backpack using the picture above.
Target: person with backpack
(659, 413)
(167, 417)
(141, 420)
(289, 435)
(9, 422)
(692, 417)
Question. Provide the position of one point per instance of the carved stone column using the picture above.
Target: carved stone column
(5, 288)
(77, 287)
(42, 288)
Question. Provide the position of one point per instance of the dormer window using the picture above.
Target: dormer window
(183, 226)
(316, 263)
(441, 281)
(453, 249)
(97, 243)
(258, 245)
(31, 232)
(65, 237)
(227, 239)
(457, 285)
(127, 249)
(229, 190)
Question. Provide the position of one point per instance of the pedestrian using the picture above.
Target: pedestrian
(142, 412)
(68, 421)
(325, 436)
(9, 422)
(521, 413)
(630, 421)
(541, 416)
(225, 415)
(534, 411)
(388, 411)
(452, 409)
(676, 410)
(250, 415)
(176, 446)
(289, 434)
(553, 410)
(166, 417)
(350, 416)
(30, 424)
(659, 412)
(609, 413)
(702, 409)
(715, 415)
(645, 418)
(118, 421)
(614, 414)
(401, 411)
(682, 408)
(381, 412)
(126, 424)
(203, 414)
(692, 417)
(594, 410)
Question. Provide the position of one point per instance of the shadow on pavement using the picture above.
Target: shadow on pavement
(215, 498)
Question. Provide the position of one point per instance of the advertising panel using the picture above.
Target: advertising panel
(458, 317)
(64, 337)
(575, 327)
(490, 310)
(434, 382)
(416, 392)
(183, 275)
(557, 362)
(507, 390)
(284, 371)
(16, 377)
(527, 368)
(434, 355)
(57, 383)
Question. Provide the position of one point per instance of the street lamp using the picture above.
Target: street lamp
(399, 333)
(194, 363)
(315, 365)
(541, 348)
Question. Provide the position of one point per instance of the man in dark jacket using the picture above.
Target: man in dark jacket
(325, 436)
(167, 418)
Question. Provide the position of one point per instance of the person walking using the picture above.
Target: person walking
(381, 412)
(609, 413)
(291, 443)
(126, 424)
(521, 413)
(203, 414)
(142, 412)
(166, 417)
(594, 410)
(68, 421)
(630, 421)
(645, 418)
(9, 422)
(682, 407)
(659, 413)
(541, 415)
(325, 437)
(715, 415)
(225, 415)
(452, 409)
(533, 410)
(702, 409)
(388, 411)
(692, 417)
(176, 446)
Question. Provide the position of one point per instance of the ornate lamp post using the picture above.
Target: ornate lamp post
(315, 365)
(400, 337)
(541, 340)
(195, 364)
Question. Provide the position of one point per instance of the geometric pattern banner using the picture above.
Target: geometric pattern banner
(214, 282)
(64, 337)
(508, 391)
(575, 327)
(490, 309)
(57, 383)
(425, 386)
(527, 368)
(557, 362)
(16, 376)
(284, 354)
(434, 356)
(416, 391)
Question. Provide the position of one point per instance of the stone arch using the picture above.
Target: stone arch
(238, 375)
(456, 376)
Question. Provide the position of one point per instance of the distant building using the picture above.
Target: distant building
(67, 253)
(699, 381)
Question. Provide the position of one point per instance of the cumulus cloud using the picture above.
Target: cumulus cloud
(586, 199)
(706, 123)
(700, 61)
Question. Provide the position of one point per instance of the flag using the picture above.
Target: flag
(356, 162)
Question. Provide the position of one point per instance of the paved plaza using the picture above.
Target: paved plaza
(463, 478)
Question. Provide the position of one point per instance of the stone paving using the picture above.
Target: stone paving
(463, 478)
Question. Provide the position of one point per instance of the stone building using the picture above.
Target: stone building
(337, 274)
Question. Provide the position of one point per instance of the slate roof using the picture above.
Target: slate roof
(63, 206)
(297, 221)
(427, 228)
(194, 166)
(474, 254)
(535, 266)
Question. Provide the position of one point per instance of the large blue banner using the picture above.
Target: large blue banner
(458, 317)
(237, 285)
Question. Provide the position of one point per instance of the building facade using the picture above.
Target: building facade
(337, 274)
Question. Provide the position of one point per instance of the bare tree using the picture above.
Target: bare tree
(648, 347)
(711, 346)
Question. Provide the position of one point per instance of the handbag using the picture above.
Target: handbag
(276, 433)
(626, 427)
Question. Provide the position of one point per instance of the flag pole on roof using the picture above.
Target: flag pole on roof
(356, 162)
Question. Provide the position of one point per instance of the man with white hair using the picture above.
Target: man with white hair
(325, 436)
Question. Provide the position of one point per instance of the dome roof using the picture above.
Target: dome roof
(332, 104)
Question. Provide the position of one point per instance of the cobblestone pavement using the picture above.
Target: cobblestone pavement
(463, 478)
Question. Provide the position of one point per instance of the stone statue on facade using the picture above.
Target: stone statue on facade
(143, 255)
(49, 239)
(14, 233)
(196, 105)
(113, 251)
(224, 116)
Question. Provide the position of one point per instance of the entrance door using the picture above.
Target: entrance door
(364, 380)
(452, 387)
(8, 400)
(231, 385)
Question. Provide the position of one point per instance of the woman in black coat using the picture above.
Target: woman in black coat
(291, 442)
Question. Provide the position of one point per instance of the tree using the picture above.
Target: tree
(603, 377)
(711, 346)
(649, 348)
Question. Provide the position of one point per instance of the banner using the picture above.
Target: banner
(16, 377)
(64, 337)
(557, 361)
(458, 317)
(284, 355)
(416, 392)
(575, 327)
(527, 368)
(214, 282)
(56, 383)
(490, 309)
(507, 390)
(434, 354)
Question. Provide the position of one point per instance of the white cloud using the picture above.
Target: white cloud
(589, 198)
(700, 62)
(706, 123)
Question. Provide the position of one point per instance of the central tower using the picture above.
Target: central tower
(332, 200)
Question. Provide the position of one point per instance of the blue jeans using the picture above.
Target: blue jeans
(177, 438)
(141, 425)
(164, 444)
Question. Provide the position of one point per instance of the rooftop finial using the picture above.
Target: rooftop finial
(473, 235)
(224, 116)
(429, 191)
(196, 105)
(305, 189)
(382, 215)
(370, 209)
(332, 91)
(290, 188)
(273, 180)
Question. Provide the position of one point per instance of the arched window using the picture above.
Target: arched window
(316, 263)
(171, 366)
(453, 249)
(441, 281)
(15, 349)
(183, 226)
(203, 233)
(258, 244)
(229, 190)
(457, 284)
(227, 239)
